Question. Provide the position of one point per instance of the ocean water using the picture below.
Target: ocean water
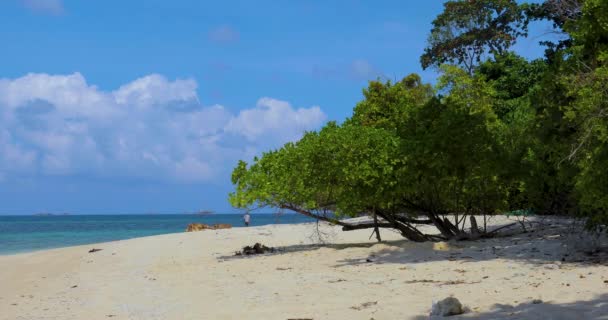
(31, 233)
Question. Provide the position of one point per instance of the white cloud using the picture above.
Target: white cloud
(150, 128)
(154, 90)
(54, 7)
(69, 93)
(276, 118)
(14, 157)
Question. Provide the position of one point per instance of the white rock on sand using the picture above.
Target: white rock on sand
(449, 306)
(195, 276)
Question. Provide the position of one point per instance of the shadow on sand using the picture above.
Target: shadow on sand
(595, 309)
(543, 246)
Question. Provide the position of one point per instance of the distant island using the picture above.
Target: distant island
(46, 214)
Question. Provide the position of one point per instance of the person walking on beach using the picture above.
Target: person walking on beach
(247, 218)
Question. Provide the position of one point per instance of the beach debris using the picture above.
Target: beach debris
(201, 226)
(283, 269)
(537, 301)
(421, 281)
(364, 305)
(551, 266)
(455, 282)
(441, 246)
(441, 283)
(198, 227)
(257, 248)
(336, 281)
(449, 306)
(94, 250)
(74, 286)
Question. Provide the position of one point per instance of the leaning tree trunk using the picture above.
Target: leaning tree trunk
(406, 229)
(376, 228)
(443, 225)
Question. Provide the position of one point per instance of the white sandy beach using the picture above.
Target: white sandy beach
(196, 276)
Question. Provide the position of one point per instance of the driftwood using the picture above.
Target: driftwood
(257, 248)
(366, 225)
(503, 227)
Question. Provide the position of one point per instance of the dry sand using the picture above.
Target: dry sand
(196, 276)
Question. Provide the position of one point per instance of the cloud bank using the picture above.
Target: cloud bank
(151, 128)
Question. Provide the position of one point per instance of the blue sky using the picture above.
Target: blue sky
(145, 106)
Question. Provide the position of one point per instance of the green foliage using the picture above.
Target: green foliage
(466, 30)
(502, 134)
(345, 170)
(449, 150)
(570, 102)
(405, 150)
(388, 105)
(456, 149)
(512, 77)
(588, 110)
(521, 92)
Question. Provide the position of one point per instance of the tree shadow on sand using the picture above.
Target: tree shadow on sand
(313, 247)
(595, 309)
(547, 245)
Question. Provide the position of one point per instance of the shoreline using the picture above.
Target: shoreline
(31, 234)
(195, 275)
(2, 254)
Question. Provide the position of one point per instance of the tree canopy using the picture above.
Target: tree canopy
(466, 30)
(496, 133)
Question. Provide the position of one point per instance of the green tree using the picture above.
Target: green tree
(466, 30)
(407, 155)
(586, 70)
(498, 134)
(336, 172)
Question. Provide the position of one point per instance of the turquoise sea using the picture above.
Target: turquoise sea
(30, 233)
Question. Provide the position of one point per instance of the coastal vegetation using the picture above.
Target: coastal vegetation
(497, 133)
